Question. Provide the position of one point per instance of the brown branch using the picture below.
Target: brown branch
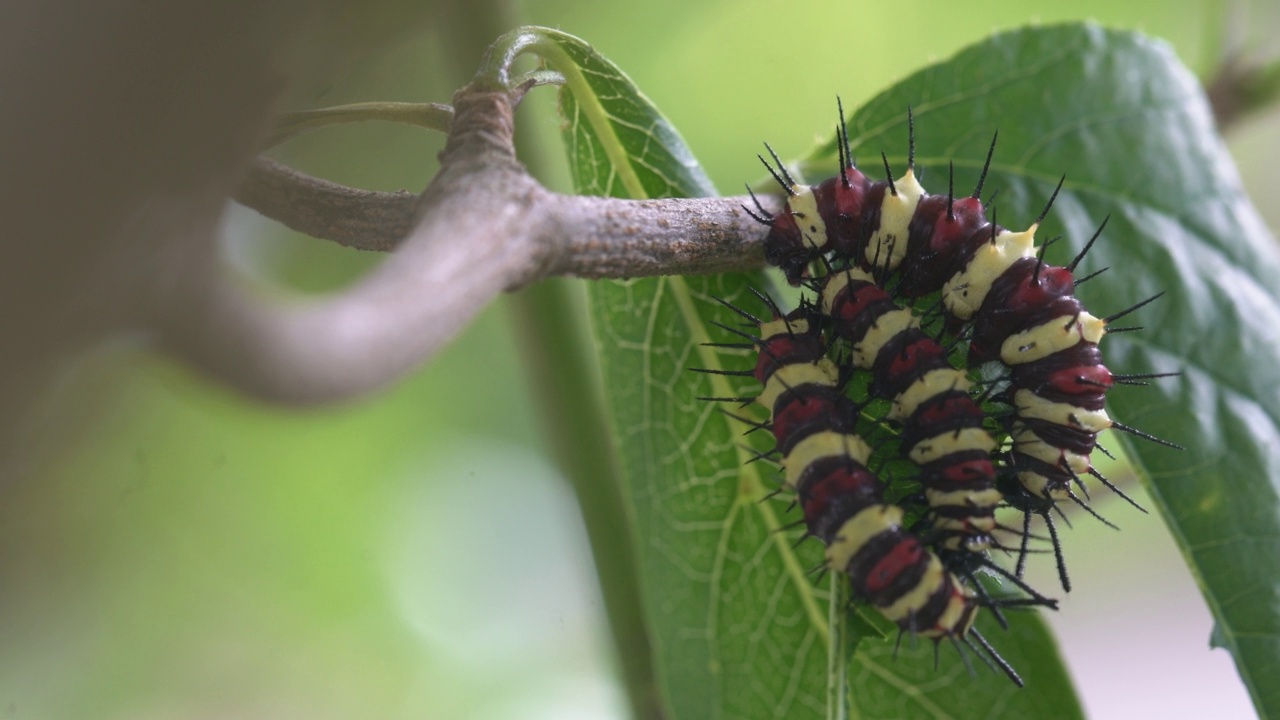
(1240, 87)
(482, 225)
(361, 219)
(608, 238)
(588, 237)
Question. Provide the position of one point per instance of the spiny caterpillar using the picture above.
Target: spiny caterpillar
(994, 289)
(824, 463)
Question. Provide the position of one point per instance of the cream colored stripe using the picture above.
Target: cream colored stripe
(964, 292)
(782, 326)
(926, 387)
(1038, 485)
(1046, 339)
(951, 617)
(964, 498)
(912, 600)
(938, 446)
(1027, 442)
(1034, 407)
(888, 244)
(788, 377)
(821, 445)
(804, 207)
(837, 281)
(966, 525)
(885, 328)
(858, 530)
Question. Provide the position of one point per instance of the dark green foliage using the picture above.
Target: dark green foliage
(739, 629)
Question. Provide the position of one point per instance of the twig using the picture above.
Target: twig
(588, 237)
(1241, 87)
(361, 219)
(482, 225)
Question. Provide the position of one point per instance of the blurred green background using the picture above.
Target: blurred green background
(415, 554)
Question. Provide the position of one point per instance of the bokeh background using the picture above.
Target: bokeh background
(181, 552)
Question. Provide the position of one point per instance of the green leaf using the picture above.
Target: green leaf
(739, 628)
(1129, 126)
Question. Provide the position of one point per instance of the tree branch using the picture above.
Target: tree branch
(608, 238)
(588, 237)
(482, 225)
(361, 219)
(1240, 87)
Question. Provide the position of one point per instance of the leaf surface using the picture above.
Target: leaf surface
(740, 629)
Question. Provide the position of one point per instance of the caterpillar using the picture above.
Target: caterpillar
(824, 462)
(994, 285)
(942, 426)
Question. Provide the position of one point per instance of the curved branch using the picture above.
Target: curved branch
(1241, 87)
(482, 225)
(433, 116)
(310, 351)
(361, 219)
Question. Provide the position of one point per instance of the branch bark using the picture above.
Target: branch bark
(587, 237)
(361, 219)
(1242, 86)
(483, 225)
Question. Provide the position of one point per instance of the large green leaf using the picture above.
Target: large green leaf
(1130, 128)
(739, 629)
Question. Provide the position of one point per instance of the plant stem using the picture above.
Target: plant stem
(564, 379)
(565, 383)
(432, 116)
